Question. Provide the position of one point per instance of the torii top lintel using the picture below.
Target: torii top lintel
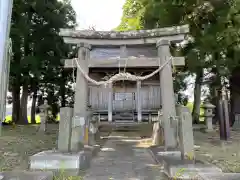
(106, 38)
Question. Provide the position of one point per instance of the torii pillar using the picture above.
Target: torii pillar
(167, 95)
(79, 121)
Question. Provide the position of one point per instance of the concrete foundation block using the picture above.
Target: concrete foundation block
(70, 164)
(160, 154)
(187, 169)
(218, 176)
(26, 175)
(170, 154)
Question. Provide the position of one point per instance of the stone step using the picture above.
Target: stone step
(176, 168)
(71, 164)
(123, 122)
(218, 176)
(26, 175)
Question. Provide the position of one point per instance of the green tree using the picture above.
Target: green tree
(213, 32)
(37, 51)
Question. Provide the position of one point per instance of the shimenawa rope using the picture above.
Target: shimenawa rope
(121, 75)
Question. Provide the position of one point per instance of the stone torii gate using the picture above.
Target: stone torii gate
(73, 144)
(87, 40)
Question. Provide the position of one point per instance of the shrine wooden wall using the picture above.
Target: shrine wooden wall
(125, 98)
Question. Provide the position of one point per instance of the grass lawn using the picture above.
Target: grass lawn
(19, 142)
(37, 118)
(190, 106)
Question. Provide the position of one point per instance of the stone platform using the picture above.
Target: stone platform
(71, 164)
(25, 175)
(159, 153)
(174, 167)
(187, 170)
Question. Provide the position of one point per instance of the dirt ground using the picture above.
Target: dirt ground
(210, 149)
(224, 154)
(20, 142)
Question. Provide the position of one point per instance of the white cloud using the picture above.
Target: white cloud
(102, 14)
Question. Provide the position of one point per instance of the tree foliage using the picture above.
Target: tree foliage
(213, 44)
(37, 52)
(214, 26)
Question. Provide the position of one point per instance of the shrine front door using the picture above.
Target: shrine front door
(124, 101)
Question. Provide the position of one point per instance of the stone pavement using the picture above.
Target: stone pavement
(120, 159)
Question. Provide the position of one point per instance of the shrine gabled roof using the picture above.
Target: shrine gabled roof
(91, 34)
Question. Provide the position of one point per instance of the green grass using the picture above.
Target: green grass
(8, 119)
(190, 106)
(38, 119)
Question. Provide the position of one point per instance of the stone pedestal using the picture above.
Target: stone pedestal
(70, 164)
(24, 175)
(78, 132)
(186, 140)
(157, 139)
(209, 125)
(65, 129)
(158, 131)
(65, 160)
(93, 129)
(71, 157)
(178, 169)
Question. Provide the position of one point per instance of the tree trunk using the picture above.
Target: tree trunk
(24, 101)
(15, 78)
(34, 100)
(16, 101)
(218, 97)
(234, 94)
(197, 97)
(63, 89)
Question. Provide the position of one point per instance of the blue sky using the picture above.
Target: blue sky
(102, 14)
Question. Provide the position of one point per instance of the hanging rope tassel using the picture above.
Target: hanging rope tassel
(174, 69)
